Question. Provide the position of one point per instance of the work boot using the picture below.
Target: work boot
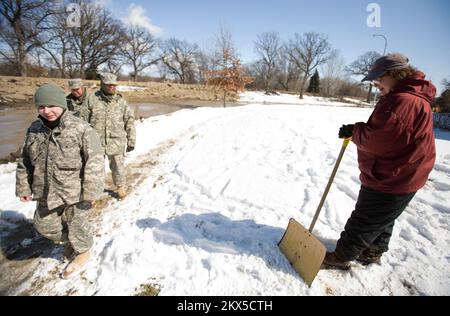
(76, 265)
(369, 257)
(122, 192)
(332, 262)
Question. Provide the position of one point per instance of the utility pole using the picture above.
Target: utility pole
(384, 54)
(385, 42)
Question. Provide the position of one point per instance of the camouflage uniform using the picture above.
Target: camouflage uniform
(113, 120)
(63, 169)
(79, 106)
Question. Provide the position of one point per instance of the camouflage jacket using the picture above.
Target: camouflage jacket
(113, 120)
(79, 106)
(61, 166)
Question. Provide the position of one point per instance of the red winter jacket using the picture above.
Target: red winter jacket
(396, 148)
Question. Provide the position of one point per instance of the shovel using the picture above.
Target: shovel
(304, 251)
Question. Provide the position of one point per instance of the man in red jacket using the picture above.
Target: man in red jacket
(396, 153)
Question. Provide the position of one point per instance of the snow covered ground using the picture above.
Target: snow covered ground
(129, 88)
(293, 99)
(208, 216)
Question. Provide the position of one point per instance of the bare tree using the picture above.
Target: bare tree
(332, 72)
(139, 49)
(256, 70)
(227, 74)
(179, 58)
(308, 51)
(36, 63)
(267, 47)
(163, 72)
(207, 58)
(22, 25)
(362, 66)
(57, 45)
(96, 40)
(224, 54)
(350, 88)
(225, 50)
(114, 64)
(37, 56)
(287, 71)
(204, 65)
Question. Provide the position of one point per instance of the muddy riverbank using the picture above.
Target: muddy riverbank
(15, 120)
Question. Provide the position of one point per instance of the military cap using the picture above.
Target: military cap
(75, 84)
(108, 78)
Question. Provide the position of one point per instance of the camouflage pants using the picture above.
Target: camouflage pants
(117, 166)
(65, 223)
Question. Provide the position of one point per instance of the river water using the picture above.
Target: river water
(14, 121)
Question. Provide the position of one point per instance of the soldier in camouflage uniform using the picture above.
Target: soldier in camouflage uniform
(78, 98)
(62, 168)
(112, 118)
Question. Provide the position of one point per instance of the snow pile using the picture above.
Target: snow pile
(129, 89)
(259, 97)
(208, 216)
(357, 102)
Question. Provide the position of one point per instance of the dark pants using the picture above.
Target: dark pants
(371, 224)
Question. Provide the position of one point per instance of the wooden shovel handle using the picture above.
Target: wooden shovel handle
(330, 182)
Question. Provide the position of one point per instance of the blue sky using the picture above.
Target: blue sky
(420, 29)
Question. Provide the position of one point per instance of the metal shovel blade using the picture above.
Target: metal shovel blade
(304, 251)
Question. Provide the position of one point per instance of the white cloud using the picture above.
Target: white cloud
(136, 17)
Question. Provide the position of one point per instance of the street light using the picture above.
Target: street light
(384, 54)
(385, 42)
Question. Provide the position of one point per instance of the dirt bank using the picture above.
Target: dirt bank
(19, 91)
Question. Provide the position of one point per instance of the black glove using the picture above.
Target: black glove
(346, 131)
(129, 149)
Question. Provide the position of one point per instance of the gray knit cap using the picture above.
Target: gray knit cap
(50, 95)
